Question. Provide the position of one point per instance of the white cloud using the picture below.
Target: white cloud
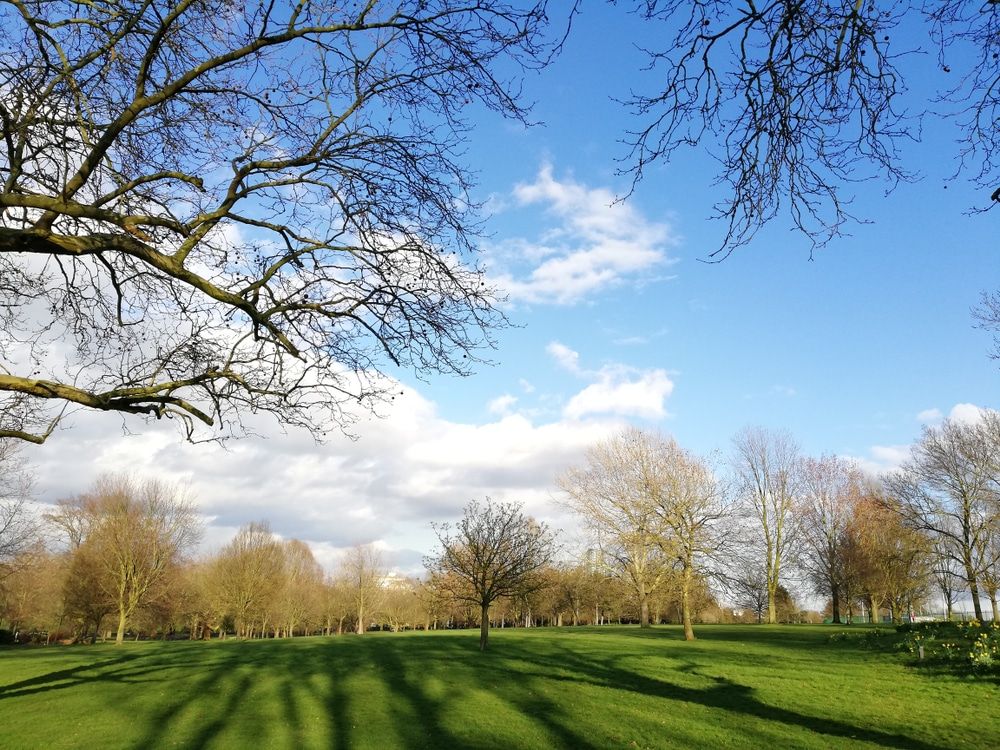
(889, 458)
(597, 243)
(882, 459)
(404, 471)
(966, 413)
(962, 413)
(929, 416)
(616, 388)
(565, 357)
(623, 391)
(501, 404)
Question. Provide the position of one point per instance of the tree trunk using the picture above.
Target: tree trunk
(686, 598)
(643, 610)
(120, 638)
(686, 612)
(874, 605)
(970, 577)
(835, 595)
(993, 605)
(484, 626)
(772, 595)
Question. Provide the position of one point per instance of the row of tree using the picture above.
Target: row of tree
(670, 534)
(660, 516)
(118, 560)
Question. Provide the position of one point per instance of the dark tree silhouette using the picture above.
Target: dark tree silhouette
(211, 208)
(798, 99)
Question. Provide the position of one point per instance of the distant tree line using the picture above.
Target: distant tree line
(770, 521)
(671, 537)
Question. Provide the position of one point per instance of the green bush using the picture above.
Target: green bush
(967, 646)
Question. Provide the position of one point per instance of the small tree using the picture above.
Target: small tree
(494, 551)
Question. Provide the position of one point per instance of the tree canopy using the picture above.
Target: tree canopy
(210, 208)
(799, 101)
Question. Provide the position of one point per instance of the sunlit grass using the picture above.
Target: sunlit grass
(737, 686)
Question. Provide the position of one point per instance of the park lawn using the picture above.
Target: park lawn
(736, 686)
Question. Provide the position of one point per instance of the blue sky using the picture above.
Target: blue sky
(851, 351)
(845, 349)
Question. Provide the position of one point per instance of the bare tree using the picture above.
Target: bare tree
(494, 551)
(211, 209)
(800, 100)
(364, 574)
(989, 564)
(248, 574)
(615, 496)
(948, 575)
(691, 505)
(137, 531)
(748, 584)
(767, 468)
(18, 530)
(948, 489)
(987, 317)
(830, 485)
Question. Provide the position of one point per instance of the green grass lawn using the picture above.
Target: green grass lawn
(737, 686)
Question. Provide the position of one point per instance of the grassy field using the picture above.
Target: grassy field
(737, 686)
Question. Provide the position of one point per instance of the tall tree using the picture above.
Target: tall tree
(248, 573)
(615, 496)
(138, 530)
(17, 527)
(494, 551)
(218, 208)
(948, 488)
(692, 505)
(767, 468)
(364, 573)
(830, 485)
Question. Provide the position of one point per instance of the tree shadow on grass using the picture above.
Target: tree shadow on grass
(423, 715)
(725, 694)
(782, 636)
(62, 679)
(424, 675)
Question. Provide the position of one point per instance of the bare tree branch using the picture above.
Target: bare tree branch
(209, 209)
